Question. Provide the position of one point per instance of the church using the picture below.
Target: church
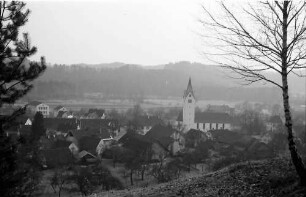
(204, 121)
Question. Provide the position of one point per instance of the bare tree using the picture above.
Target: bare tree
(59, 179)
(265, 36)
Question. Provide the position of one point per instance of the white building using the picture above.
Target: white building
(36, 106)
(204, 121)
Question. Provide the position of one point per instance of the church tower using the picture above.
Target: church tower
(189, 107)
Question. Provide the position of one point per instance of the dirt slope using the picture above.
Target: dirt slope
(275, 177)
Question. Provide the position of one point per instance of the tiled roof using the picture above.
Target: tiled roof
(209, 117)
(135, 142)
(101, 133)
(212, 117)
(95, 123)
(165, 141)
(64, 124)
(84, 153)
(61, 114)
(161, 134)
(58, 107)
(89, 143)
(149, 120)
(160, 131)
(34, 103)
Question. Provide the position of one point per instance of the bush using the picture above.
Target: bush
(168, 172)
(89, 179)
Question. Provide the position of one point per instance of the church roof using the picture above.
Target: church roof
(188, 90)
(209, 117)
(212, 117)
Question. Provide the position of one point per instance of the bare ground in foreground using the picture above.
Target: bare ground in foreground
(273, 177)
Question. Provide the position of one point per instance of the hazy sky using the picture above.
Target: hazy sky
(145, 32)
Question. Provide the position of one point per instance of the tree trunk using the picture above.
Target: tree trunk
(131, 177)
(142, 174)
(296, 158)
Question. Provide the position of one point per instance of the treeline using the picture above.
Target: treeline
(131, 81)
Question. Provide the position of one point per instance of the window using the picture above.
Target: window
(189, 101)
(203, 126)
(197, 125)
(210, 125)
(223, 126)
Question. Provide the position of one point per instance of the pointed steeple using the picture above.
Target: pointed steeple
(189, 86)
(189, 89)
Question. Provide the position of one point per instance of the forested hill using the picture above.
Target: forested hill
(118, 80)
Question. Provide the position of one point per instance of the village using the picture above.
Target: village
(139, 149)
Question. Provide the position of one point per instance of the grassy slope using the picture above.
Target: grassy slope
(275, 177)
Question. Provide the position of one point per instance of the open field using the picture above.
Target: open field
(123, 105)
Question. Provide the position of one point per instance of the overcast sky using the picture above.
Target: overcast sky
(145, 32)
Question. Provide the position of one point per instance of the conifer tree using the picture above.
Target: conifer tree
(16, 75)
(16, 72)
(38, 128)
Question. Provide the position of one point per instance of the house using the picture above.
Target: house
(61, 124)
(62, 114)
(36, 106)
(203, 121)
(88, 139)
(19, 130)
(103, 145)
(274, 124)
(19, 126)
(95, 114)
(89, 143)
(28, 122)
(59, 110)
(111, 126)
(141, 144)
(86, 157)
(146, 123)
(206, 121)
(77, 134)
(169, 138)
(74, 149)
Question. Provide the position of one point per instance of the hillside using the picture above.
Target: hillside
(274, 177)
(121, 81)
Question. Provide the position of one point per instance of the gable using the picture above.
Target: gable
(42, 105)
